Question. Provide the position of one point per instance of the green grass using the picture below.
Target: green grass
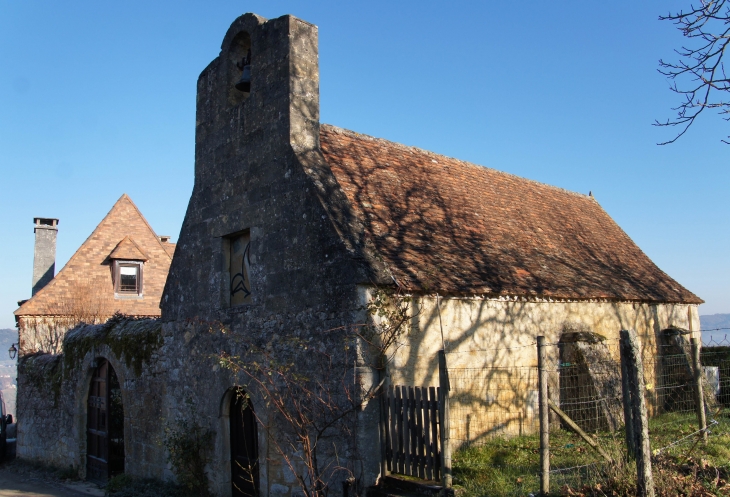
(510, 466)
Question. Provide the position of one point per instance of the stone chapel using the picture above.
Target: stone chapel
(292, 228)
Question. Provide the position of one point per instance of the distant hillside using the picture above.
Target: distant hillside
(713, 322)
(9, 336)
(8, 372)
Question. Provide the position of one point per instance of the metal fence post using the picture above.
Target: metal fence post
(699, 395)
(444, 388)
(544, 416)
(635, 370)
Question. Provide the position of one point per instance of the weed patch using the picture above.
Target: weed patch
(506, 467)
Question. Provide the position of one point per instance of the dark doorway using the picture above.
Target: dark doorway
(244, 447)
(104, 425)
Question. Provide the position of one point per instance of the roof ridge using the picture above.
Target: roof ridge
(159, 242)
(410, 148)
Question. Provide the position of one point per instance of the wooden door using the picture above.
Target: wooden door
(105, 425)
(244, 447)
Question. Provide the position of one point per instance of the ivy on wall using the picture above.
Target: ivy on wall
(134, 340)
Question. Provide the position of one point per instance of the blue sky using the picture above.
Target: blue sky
(97, 98)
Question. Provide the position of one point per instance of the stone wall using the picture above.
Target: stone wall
(52, 409)
(258, 171)
(491, 345)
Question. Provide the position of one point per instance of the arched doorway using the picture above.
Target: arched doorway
(244, 446)
(104, 425)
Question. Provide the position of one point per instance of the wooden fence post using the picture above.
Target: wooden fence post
(544, 416)
(444, 389)
(635, 370)
(626, 400)
(699, 394)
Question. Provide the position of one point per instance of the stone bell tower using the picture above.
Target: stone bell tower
(257, 127)
(266, 250)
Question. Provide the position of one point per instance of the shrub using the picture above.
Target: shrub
(188, 446)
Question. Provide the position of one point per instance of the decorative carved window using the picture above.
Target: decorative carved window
(127, 277)
(239, 261)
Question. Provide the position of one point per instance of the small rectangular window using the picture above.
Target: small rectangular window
(128, 278)
(238, 259)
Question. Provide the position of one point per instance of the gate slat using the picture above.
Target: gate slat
(385, 406)
(406, 431)
(428, 463)
(399, 430)
(433, 393)
(411, 432)
(394, 430)
(419, 432)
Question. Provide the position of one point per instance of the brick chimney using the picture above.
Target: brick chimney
(44, 257)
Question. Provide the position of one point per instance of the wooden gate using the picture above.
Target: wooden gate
(411, 422)
(104, 426)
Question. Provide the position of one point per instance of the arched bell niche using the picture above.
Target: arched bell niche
(239, 68)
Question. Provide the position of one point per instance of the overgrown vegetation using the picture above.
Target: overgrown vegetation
(389, 313)
(134, 339)
(44, 372)
(510, 466)
(188, 447)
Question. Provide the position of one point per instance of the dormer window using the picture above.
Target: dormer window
(128, 280)
(127, 263)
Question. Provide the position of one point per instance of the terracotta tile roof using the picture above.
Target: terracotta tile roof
(441, 224)
(129, 250)
(88, 272)
(169, 247)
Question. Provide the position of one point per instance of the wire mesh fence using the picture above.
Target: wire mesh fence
(495, 413)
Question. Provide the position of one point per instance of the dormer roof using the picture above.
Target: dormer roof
(128, 249)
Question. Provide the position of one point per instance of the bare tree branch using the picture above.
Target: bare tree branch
(312, 390)
(700, 69)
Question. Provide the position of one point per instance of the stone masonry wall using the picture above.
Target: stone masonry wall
(498, 336)
(52, 409)
(258, 170)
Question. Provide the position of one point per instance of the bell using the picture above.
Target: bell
(244, 84)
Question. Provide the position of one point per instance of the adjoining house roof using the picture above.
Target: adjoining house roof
(87, 274)
(441, 224)
(128, 249)
(169, 248)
